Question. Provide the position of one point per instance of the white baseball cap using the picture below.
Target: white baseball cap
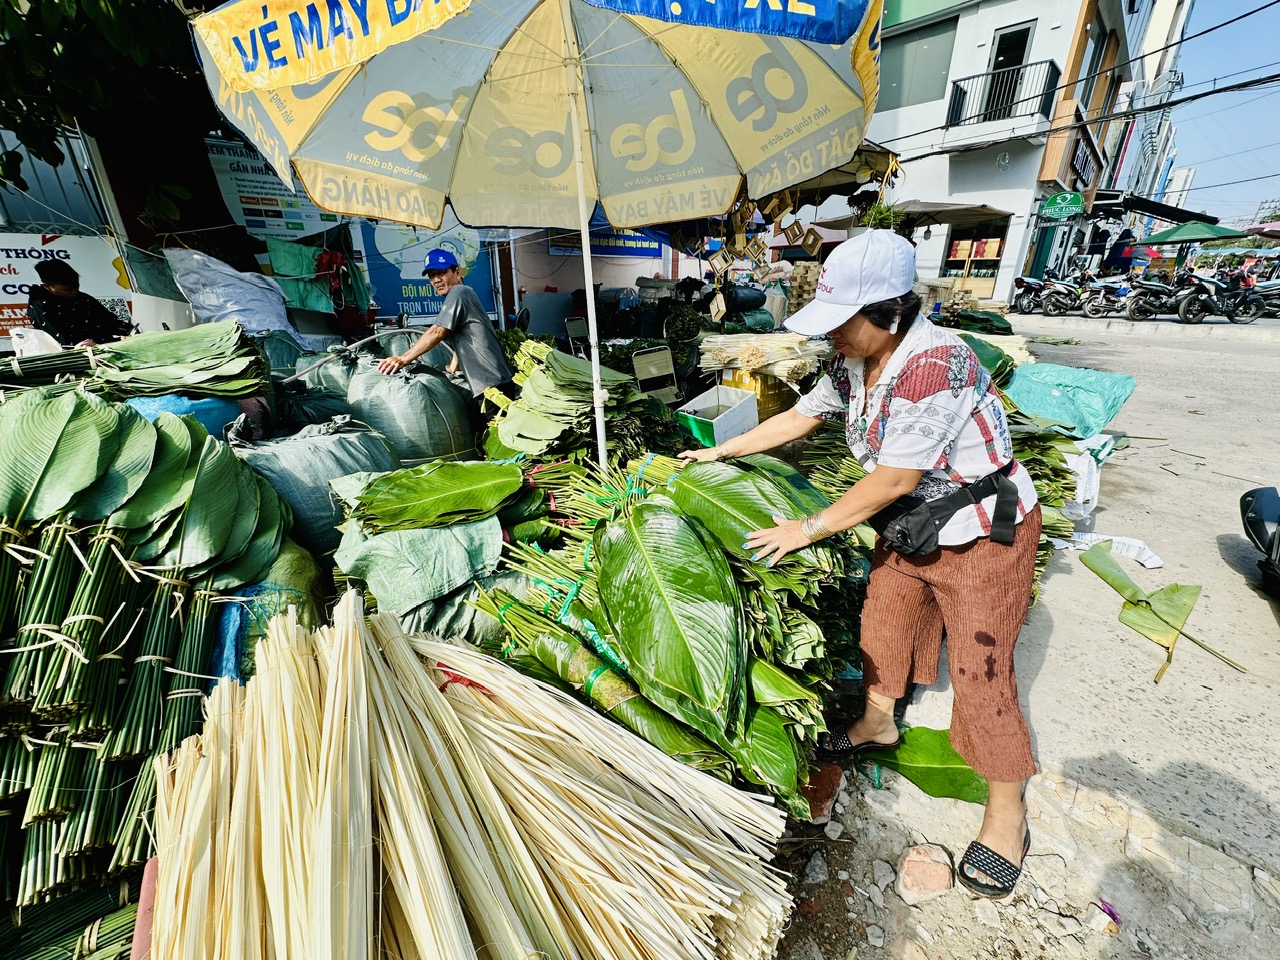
(873, 266)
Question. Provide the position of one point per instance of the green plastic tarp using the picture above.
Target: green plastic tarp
(1084, 401)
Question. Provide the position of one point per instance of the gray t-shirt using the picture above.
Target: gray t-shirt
(471, 336)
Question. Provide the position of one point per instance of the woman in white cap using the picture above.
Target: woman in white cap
(958, 521)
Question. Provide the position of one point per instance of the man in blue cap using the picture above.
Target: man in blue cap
(464, 322)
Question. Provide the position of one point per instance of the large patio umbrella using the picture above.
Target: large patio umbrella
(1192, 233)
(525, 113)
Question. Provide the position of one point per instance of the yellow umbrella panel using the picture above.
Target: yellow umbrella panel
(478, 110)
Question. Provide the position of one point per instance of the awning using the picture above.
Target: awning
(1115, 201)
(921, 213)
(870, 164)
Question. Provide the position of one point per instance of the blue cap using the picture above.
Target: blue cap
(439, 259)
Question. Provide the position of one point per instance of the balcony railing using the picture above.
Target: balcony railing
(1025, 91)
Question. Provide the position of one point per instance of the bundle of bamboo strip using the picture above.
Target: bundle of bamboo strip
(511, 821)
(789, 356)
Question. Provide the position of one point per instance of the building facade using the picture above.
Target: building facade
(1003, 103)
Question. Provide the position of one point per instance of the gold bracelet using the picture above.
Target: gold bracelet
(815, 528)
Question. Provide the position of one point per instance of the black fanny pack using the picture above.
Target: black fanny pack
(910, 525)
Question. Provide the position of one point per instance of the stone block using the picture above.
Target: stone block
(924, 873)
(826, 780)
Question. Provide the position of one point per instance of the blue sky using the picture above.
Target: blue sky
(1233, 136)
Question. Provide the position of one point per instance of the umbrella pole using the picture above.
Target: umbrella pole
(576, 83)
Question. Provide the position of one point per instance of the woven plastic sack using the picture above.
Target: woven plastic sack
(1084, 401)
(300, 468)
(452, 617)
(406, 568)
(213, 413)
(281, 352)
(294, 580)
(423, 415)
(309, 407)
(334, 375)
(438, 356)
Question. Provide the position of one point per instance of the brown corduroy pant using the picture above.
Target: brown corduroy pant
(980, 592)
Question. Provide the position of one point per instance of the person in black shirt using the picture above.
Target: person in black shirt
(60, 309)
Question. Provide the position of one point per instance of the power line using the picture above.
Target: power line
(1231, 183)
(1113, 67)
(1115, 115)
(1236, 153)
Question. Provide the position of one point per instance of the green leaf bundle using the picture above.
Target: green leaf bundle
(674, 609)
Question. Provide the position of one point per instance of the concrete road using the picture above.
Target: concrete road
(1198, 751)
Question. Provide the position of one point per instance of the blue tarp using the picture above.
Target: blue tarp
(821, 21)
(1083, 400)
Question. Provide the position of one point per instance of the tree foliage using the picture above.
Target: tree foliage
(92, 62)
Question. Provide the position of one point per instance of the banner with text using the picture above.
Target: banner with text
(604, 243)
(394, 254)
(96, 259)
(256, 198)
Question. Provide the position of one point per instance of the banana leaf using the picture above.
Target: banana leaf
(928, 760)
(733, 502)
(1160, 616)
(52, 450)
(673, 607)
(179, 441)
(257, 558)
(244, 521)
(206, 527)
(570, 661)
(789, 480)
(436, 495)
(767, 754)
(126, 472)
(771, 685)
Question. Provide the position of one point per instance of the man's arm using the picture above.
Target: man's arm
(430, 338)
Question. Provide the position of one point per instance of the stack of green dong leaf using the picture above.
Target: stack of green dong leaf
(552, 419)
(115, 536)
(654, 611)
(209, 360)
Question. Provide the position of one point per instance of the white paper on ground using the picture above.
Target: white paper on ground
(1130, 547)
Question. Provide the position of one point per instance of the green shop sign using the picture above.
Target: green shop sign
(904, 11)
(1062, 206)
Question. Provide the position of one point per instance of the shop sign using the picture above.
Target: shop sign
(604, 243)
(1062, 206)
(258, 200)
(1082, 162)
(96, 259)
(394, 254)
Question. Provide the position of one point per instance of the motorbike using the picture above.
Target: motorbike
(1030, 291)
(1269, 291)
(1222, 296)
(1151, 298)
(1106, 296)
(1260, 514)
(1063, 295)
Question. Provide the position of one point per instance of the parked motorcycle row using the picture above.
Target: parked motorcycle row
(1190, 296)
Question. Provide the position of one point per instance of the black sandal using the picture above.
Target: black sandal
(839, 745)
(1005, 874)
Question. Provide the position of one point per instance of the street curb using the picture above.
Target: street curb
(1151, 328)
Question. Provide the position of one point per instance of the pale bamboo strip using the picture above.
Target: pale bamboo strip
(288, 682)
(484, 847)
(411, 851)
(642, 822)
(240, 919)
(341, 864)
